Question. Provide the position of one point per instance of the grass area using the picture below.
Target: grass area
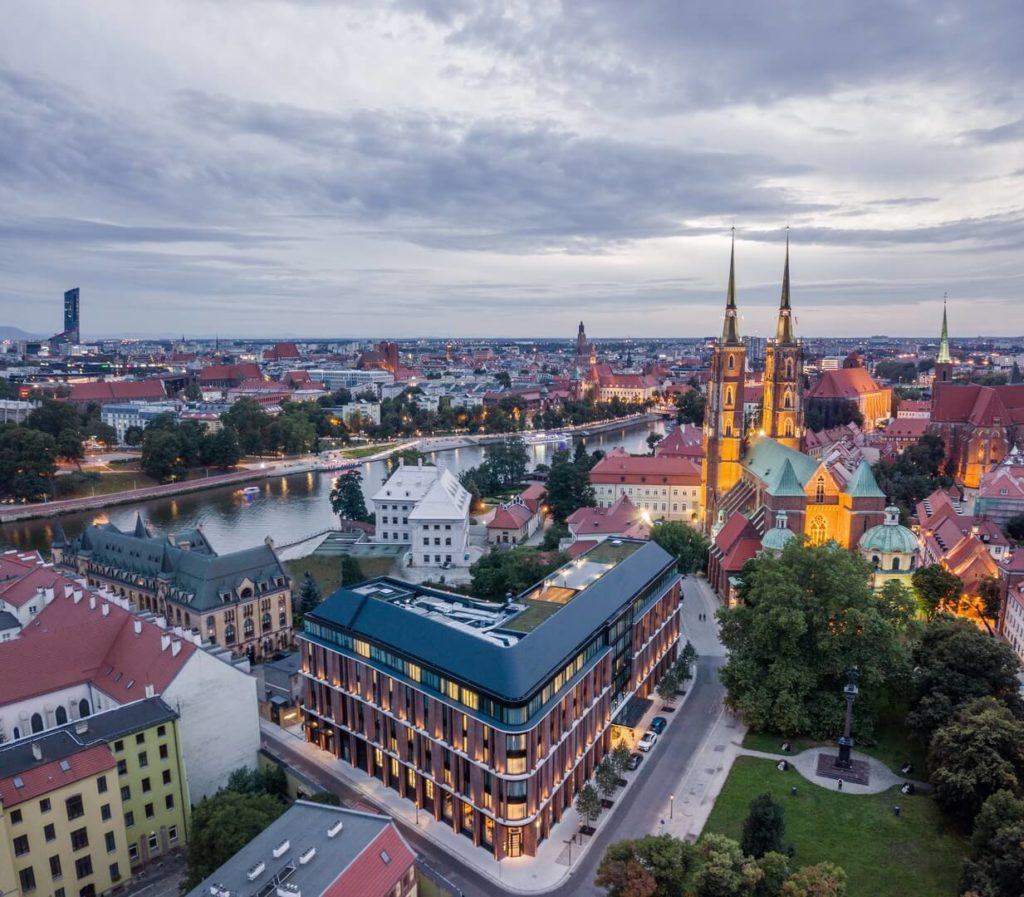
(326, 569)
(536, 613)
(426, 887)
(891, 744)
(915, 854)
(364, 450)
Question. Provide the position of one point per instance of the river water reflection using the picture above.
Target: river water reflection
(286, 508)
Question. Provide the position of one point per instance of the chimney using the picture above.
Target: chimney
(175, 648)
(137, 626)
(150, 690)
(105, 610)
(92, 602)
(165, 640)
(37, 751)
(78, 597)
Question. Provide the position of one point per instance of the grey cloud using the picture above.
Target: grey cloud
(1005, 133)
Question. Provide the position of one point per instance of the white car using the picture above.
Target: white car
(649, 740)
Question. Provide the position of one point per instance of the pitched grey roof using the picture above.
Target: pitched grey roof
(198, 576)
(511, 673)
(65, 741)
(304, 825)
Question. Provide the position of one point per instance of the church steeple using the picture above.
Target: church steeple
(944, 357)
(730, 329)
(784, 329)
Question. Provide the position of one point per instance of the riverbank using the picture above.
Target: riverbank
(310, 464)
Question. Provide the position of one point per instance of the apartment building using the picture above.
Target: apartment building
(490, 717)
(662, 487)
(87, 805)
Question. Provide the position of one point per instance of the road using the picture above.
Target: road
(638, 811)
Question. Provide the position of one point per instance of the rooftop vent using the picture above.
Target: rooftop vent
(288, 889)
(281, 848)
(37, 750)
(335, 829)
(255, 871)
(81, 727)
(307, 855)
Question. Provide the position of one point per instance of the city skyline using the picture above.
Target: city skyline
(506, 174)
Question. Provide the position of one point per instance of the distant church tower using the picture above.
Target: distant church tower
(944, 361)
(783, 415)
(723, 417)
(582, 350)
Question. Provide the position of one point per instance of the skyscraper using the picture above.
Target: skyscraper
(71, 322)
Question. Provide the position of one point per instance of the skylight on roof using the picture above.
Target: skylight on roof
(65, 765)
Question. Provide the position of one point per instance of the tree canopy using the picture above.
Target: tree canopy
(996, 864)
(568, 485)
(498, 573)
(688, 545)
(347, 500)
(803, 620)
(937, 588)
(914, 475)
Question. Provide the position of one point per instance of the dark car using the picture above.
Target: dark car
(634, 761)
(658, 724)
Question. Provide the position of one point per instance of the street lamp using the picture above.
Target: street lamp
(671, 805)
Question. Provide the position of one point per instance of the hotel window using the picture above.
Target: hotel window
(27, 879)
(83, 867)
(21, 845)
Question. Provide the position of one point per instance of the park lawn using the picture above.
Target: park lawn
(913, 855)
(364, 450)
(891, 743)
(326, 570)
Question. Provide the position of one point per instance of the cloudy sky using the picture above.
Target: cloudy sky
(467, 167)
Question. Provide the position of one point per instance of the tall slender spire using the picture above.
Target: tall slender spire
(730, 329)
(784, 330)
(944, 357)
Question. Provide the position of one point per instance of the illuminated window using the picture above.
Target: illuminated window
(819, 490)
(818, 530)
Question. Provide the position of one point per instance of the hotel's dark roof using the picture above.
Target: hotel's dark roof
(507, 672)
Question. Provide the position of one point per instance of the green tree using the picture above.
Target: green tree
(410, 457)
(820, 880)
(996, 864)
(803, 620)
(221, 826)
(620, 756)
(308, 596)
(268, 779)
(508, 461)
(688, 545)
(161, 454)
(652, 441)
(914, 475)
(500, 573)
(248, 419)
(606, 775)
(193, 393)
(1015, 528)
(54, 417)
(652, 866)
(723, 870)
(70, 445)
(990, 593)
(955, 663)
(684, 664)
(937, 588)
(220, 449)
(568, 486)
(978, 752)
(668, 687)
(133, 435)
(764, 829)
(28, 462)
(690, 407)
(588, 804)
(553, 536)
(351, 572)
(347, 499)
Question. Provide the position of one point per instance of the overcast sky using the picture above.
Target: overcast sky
(453, 167)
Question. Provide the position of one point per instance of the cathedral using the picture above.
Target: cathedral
(759, 481)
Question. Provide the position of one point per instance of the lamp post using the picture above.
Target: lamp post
(850, 691)
(671, 805)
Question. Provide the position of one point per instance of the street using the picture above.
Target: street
(638, 811)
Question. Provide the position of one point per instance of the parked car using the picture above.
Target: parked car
(658, 724)
(649, 740)
(634, 761)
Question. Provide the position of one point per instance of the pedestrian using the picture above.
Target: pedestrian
(840, 785)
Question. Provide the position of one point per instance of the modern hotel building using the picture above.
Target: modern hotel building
(490, 716)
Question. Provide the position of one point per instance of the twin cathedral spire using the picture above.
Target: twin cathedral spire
(782, 416)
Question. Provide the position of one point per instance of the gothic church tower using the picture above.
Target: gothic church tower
(783, 415)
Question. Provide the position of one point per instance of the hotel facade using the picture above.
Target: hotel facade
(491, 717)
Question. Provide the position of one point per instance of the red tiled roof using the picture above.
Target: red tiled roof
(906, 428)
(510, 516)
(656, 468)
(368, 875)
(846, 383)
(103, 650)
(26, 585)
(47, 777)
(980, 405)
(237, 372)
(686, 440)
(117, 390)
(620, 518)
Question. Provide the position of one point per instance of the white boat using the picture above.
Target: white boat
(251, 491)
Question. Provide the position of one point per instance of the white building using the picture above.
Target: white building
(351, 379)
(364, 412)
(123, 415)
(426, 508)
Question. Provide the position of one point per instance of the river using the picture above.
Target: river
(287, 507)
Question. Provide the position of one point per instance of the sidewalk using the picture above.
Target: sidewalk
(806, 763)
